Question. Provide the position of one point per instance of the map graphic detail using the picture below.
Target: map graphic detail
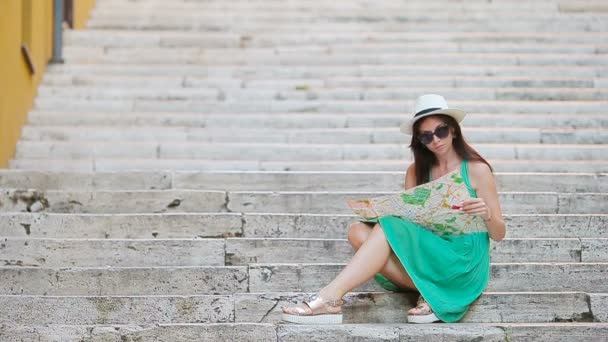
(434, 205)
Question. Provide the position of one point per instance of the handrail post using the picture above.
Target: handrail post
(57, 31)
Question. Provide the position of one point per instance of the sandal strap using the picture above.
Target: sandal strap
(332, 303)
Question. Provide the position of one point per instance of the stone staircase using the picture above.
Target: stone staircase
(184, 174)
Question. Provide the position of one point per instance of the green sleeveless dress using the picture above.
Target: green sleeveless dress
(450, 271)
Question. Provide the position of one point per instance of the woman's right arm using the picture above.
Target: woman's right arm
(410, 177)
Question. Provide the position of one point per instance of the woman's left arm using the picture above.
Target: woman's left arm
(486, 204)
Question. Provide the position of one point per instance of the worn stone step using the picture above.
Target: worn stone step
(42, 252)
(303, 121)
(333, 202)
(149, 332)
(280, 181)
(114, 202)
(243, 251)
(302, 333)
(554, 25)
(318, 202)
(353, 48)
(131, 281)
(324, 72)
(444, 332)
(290, 151)
(252, 225)
(116, 165)
(126, 226)
(315, 106)
(122, 38)
(121, 165)
(247, 57)
(123, 281)
(111, 252)
(79, 310)
(158, 134)
(492, 307)
(511, 277)
(353, 94)
(304, 84)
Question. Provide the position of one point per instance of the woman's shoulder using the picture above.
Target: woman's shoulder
(479, 169)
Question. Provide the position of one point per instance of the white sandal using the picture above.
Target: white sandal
(422, 313)
(314, 310)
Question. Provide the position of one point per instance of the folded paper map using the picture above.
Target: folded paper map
(434, 205)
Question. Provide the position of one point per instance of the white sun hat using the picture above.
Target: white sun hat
(431, 104)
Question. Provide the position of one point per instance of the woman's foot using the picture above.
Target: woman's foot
(422, 313)
(314, 310)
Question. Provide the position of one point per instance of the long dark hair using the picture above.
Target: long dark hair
(425, 159)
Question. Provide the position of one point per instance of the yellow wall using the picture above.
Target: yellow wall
(82, 9)
(17, 85)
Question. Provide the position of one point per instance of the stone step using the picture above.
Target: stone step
(382, 135)
(505, 277)
(265, 308)
(124, 281)
(173, 332)
(534, 332)
(347, 94)
(152, 281)
(328, 15)
(122, 165)
(323, 10)
(247, 57)
(290, 151)
(326, 72)
(315, 106)
(302, 121)
(244, 251)
(252, 225)
(42, 252)
(122, 38)
(579, 49)
(389, 308)
(555, 24)
(305, 84)
(318, 202)
(279, 181)
(111, 252)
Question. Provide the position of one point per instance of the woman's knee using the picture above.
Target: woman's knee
(357, 233)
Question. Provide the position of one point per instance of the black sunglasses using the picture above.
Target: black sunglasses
(441, 132)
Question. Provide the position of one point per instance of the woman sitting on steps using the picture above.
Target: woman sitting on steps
(449, 271)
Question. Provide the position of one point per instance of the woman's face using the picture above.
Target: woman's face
(435, 135)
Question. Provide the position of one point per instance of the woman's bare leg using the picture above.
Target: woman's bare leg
(393, 269)
(370, 259)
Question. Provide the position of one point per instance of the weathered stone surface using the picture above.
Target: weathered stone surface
(133, 281)
(42, 181)
(335, 202)
(157, 332)
(240, 251)
(451, 332)
(538, 277)
(114, 202)
(297, 225)
(598, 306)
(346, 332)
(559, 332)
(115, 165)
(24, 310)
(492, 307)
(120, 226)
(594, 250)
(105, 252)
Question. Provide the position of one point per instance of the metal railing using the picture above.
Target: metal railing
(57, 31)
